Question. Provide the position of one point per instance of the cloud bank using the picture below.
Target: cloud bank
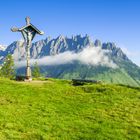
(89, 56)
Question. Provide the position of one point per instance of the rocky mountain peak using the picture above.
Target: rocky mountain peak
(61, 44)
(115, 51)
(97, 43)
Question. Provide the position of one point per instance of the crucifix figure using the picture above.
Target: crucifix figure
(29, 31)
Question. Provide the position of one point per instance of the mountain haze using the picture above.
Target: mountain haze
(77, 57)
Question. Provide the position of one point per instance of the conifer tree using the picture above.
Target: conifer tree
(7, 69)
(36, 70)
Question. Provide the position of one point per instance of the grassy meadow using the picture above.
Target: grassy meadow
(56, 110)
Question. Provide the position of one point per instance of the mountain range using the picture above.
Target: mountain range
(76, 57)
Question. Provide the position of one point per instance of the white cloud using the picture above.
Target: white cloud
(89, 56)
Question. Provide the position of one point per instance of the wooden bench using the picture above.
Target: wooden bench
(20, 78)
(78, 82)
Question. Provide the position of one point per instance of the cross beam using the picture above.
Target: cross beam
(29, 31)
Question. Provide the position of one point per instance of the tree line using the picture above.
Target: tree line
(8, 70)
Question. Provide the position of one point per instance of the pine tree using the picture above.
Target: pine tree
(7, 69)
(36, 71)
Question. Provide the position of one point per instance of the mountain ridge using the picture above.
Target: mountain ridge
(128, 72)
(60, 44)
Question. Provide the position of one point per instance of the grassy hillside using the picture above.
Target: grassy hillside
(127, 73)
(57, 110)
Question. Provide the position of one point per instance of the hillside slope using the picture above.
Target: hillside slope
(55, 109)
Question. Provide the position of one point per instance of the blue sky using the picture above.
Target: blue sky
(108, 20)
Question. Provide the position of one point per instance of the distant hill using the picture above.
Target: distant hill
(125, 72)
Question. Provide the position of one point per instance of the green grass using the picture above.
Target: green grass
(57, 110)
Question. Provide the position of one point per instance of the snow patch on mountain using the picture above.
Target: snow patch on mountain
(3, 47)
